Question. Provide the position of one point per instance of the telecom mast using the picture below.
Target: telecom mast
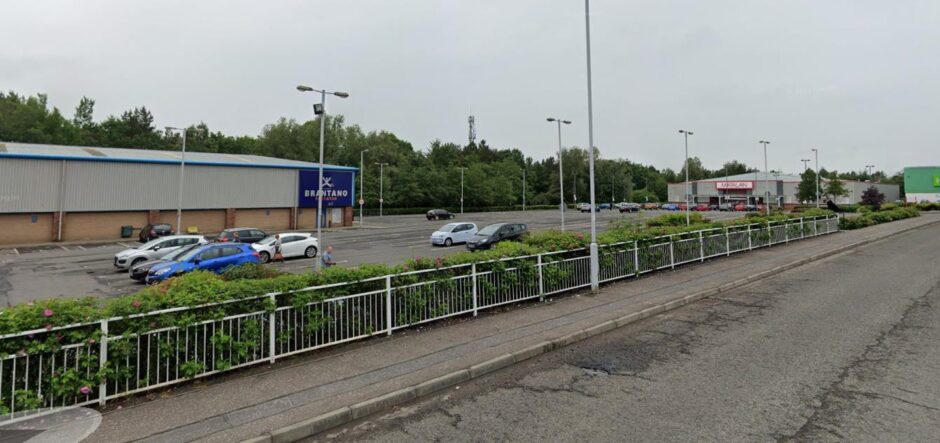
(473, 129)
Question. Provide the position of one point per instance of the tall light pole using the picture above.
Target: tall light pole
(688, 190)
(816, 151)
(381, 187)
(595, 263)
(179, 197)
(461, 188)
(766, 178)
(805, 161)
(523, 189)
(362, 192)
(869, 168)
(561, 176)
(321, 111)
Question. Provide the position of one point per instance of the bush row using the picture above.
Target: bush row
(885, 215)
(373, 212)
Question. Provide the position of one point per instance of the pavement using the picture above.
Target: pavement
(253, 402)
(78, 269)
(843, 349)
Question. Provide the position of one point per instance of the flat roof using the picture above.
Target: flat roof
(127, 155)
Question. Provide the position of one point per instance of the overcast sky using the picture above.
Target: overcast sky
(856, 78)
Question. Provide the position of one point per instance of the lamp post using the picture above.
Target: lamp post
(321, 111)
(381, 186)
(561, 176)
(461, 188)
(869, 168)
(362, 192)
(766, 177)
(595, 265)
(688, 190)
(523, 189)
(179, 197)
(816, 151)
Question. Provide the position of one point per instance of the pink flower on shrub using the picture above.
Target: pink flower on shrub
(136, 303)
(47, 312)
(85, 390)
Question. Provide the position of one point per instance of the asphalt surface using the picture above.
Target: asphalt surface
(72, 270)
(844, 349)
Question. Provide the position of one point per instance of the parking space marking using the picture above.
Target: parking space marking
(64, 248)
(122, 244)
(80, 247)
(15, 251)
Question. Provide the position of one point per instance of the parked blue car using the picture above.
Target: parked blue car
(216, 257)
(669, 207)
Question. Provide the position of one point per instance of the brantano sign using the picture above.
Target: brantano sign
(337, 188)
(735, 185)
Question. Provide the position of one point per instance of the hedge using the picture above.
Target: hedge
(888, 213)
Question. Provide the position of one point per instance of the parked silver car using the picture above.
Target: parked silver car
(154, 249)
(453, 233)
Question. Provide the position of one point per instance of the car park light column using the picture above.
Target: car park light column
(561, 175)
(362, 195)
(688, 191)
(322, 113)
(595, 263)
(766, 173)
(461, 188)
(381, 186)
(179, 198)
(816, 151)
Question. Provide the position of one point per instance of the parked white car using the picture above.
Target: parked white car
(155, 249)
(293, 244)
(452, 233)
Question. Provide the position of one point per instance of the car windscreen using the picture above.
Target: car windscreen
(448, 227)
(182, 251)
(489, 230)
(189, 254)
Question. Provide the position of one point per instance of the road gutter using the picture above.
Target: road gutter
(323, 422)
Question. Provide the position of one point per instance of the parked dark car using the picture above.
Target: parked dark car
(139, 271)
(212, 257)
(155, 230)
(440, 214)
(726, 207)
(487, 237)
(712, 207)
(628, 207)
(244, 235)
(604, 206)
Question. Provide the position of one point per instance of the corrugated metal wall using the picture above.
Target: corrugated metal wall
(29, 185)
(33, 186)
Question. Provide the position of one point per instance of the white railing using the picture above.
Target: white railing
(97, 361)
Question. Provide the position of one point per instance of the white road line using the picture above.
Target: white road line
(16, 252)
(64, 248)
(81, 247)
(122, 244)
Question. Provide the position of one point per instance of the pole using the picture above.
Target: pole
(766, 178)
(179, 200)
(687, 187)
(561, 178)
(320, 241)
(816, 151)
(381, 187)
(461, 188)
(595, 265)
(523, 189)
(362, 174)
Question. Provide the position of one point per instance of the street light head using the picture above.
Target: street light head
(567, 122)
(341, 94)
(303, 88)
(550, 119)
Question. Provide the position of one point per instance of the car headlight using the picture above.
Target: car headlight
(162, 271)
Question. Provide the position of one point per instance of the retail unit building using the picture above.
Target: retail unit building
(74, 193)
(922, 184)
(751, 188)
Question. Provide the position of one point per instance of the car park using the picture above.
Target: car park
(293, 244)
(139, 271)
(241, 235)
(155, 230)
(453, 233)
(439, 214)
(216, 257)
(628, 207)
(487, 237)
(154, 249)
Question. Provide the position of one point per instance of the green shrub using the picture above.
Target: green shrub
(877, 217)
(675, 220)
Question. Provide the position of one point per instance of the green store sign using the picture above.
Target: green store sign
(936, 181)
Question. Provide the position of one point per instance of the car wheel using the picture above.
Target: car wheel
(448, 242)
(265, 256)
(310, 252)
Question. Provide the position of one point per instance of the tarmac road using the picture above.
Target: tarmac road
(845, 349)
(70, 270)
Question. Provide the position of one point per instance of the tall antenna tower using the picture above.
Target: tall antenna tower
(473, 128)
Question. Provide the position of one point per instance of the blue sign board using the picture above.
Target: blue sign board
(338, 188)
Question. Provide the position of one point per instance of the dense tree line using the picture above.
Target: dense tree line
(412, 177)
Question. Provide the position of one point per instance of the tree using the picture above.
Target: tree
(696, 170)
(835, 188)
(873, 197)
(806, 190)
